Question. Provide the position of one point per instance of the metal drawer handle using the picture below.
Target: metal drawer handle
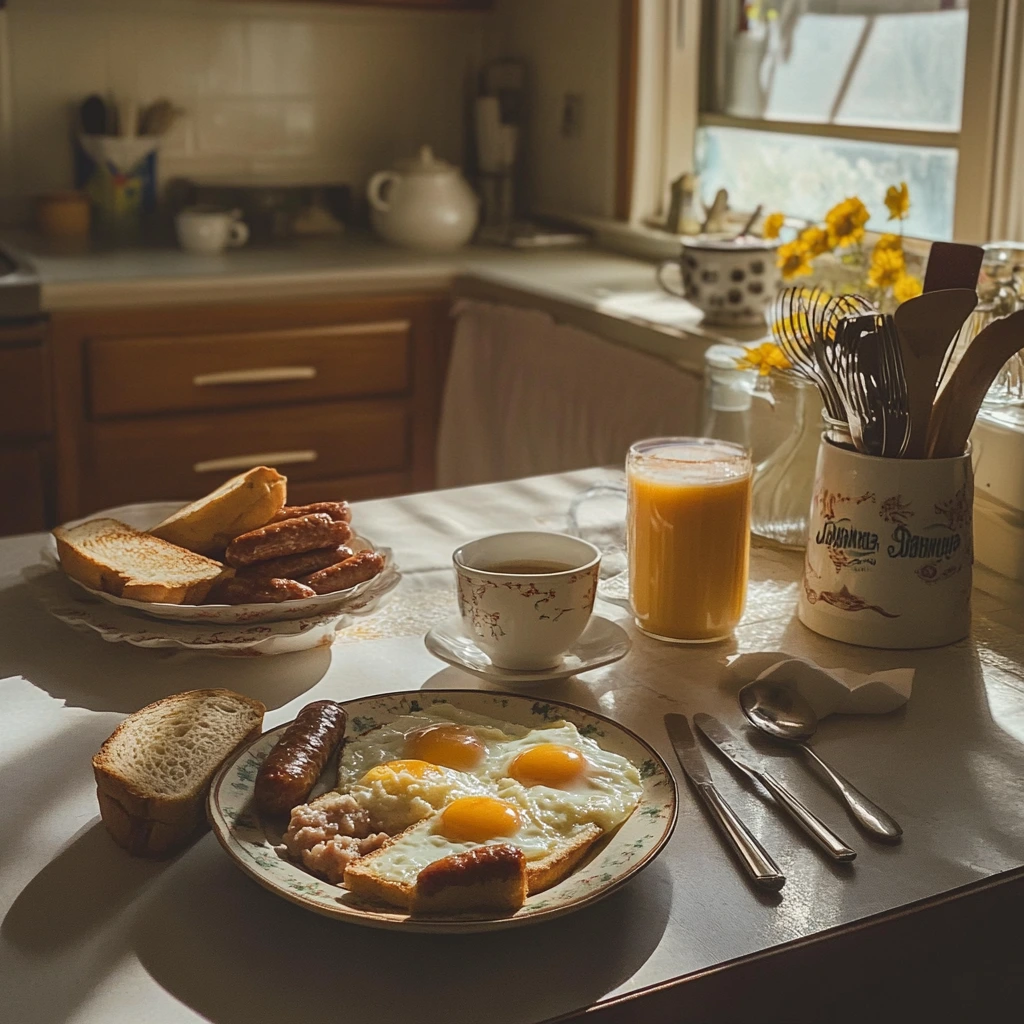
(372, 327)
(259, 459)
(264, 375)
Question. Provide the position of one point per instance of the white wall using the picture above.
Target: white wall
(281, 91)
(571, 46)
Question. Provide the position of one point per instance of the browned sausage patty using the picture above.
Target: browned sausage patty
(294, 764)
(293, 567)
(245, 590)
(290, 537)
(357, 569)
(337, 510)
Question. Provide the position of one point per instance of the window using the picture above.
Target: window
(796, 104)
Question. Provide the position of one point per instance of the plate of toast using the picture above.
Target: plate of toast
(443, 810)
(239, 555)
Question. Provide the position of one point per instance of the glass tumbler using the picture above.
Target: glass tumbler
(688, 536)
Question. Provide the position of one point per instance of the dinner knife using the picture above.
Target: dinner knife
(764, 871)
(748, 761)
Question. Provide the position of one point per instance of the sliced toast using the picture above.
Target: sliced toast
(153, 773)
(243, 503)
(108, 555)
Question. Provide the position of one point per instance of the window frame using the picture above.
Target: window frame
(664, 78)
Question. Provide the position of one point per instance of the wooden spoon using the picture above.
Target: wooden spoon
(957, 406)
(952, 265)
(927, 326)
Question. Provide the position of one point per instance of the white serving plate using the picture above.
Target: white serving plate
(79, 609)
(253, 842)
(146, 515)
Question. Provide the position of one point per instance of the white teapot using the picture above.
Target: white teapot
(424, 204)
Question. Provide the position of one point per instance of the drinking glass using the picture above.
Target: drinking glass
(688, 536)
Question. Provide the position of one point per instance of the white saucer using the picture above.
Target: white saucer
(602, 642)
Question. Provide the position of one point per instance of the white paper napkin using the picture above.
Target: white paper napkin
(828, 691)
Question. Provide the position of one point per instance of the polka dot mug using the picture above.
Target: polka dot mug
(731, 281)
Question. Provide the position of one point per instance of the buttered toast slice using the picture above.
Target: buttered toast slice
(108, 555)
(243, 503)
(494, 876)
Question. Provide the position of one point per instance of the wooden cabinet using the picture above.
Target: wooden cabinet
(340, 395)
(26, 459)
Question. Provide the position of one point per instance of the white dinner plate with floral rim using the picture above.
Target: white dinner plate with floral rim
(82, 611)
(253, 842)
(146, 515)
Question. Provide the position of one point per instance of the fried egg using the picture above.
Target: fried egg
(444, 735)
(398, 793)
(467, 823)
(470, 780)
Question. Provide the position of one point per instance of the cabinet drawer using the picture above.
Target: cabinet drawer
(186, 457)
(23, 470)
(25, 410)
(145, 375)
(350, 488)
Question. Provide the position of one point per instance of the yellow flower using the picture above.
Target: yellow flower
(793, 260)
(887, 267)
(815, 240)
(897, 201)
(906, 287)
(845, 222)
(764, 358)
(773, 225)
(893, 242)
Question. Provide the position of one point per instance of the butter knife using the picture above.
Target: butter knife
(764, 871)
(749, 762)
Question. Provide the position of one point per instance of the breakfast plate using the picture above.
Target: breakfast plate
(146, 515)
(254, 842)
(78, 608)
(601, 643)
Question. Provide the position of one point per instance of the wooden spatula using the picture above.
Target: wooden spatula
(927, 326)
(952, 265)
(957, 406)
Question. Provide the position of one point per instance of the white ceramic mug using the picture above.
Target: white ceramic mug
(207, 230)
(731, 281)
(890, 550)
(522, 619)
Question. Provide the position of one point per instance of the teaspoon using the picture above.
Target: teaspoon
(784, 714)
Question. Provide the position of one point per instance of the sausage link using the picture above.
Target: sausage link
(357, 569)
(339, 511)
(290, 537)
(294, 764)
(248, 590)
(293, 567)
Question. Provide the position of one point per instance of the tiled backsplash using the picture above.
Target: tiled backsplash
(273, 91)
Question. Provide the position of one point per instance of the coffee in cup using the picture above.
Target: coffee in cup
(526, 597)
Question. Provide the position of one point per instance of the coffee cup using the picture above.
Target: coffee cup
(208, 230)
(732, 281)
(525, 598)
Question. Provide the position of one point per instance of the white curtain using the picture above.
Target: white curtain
(526, 395)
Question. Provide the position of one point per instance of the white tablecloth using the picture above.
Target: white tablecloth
(91, 935)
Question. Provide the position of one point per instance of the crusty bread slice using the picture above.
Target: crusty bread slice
(107, 555)
(153, 773)
(465, 884)
(245, 502)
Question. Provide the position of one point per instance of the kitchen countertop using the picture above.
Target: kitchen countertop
(91, 935)
(616, 296)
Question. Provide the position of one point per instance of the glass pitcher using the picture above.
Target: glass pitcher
(784, 481)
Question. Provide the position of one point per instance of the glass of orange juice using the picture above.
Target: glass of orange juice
(688, 536)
